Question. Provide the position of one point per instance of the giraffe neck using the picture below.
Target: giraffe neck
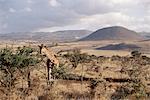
(51, 56)
(48, 53)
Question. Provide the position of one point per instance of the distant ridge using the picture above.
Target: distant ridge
(113, 33)
(145, 34)
(58, 36)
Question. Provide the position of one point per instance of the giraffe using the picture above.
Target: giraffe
(51, 59)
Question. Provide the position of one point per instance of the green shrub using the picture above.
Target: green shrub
(13, 61)
(76, 57)
(135, 53)
(60, 72)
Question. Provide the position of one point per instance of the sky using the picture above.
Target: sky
(54, 15)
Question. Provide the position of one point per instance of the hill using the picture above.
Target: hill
(58, 36)
(113, 33)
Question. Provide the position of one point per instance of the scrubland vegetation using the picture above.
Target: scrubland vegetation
(80, 76)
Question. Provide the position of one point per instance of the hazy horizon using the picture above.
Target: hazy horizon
(61, 30)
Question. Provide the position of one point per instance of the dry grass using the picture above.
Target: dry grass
(107, 53)
(67, 89)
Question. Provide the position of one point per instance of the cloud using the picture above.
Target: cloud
(29, 1)
(49, 15)
(28, 9)
(95, 22)
(87, 7)
(12, 10)
(53, 3)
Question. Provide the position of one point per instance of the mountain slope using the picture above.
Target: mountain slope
(113, 33)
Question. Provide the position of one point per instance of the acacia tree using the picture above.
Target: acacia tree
(76, 58)
(12, 62)
(26, 58)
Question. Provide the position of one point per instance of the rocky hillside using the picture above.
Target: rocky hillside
(113, 33)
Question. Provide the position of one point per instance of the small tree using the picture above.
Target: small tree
(7, 68)
(25, 58)
(76, 57)
(60, 72)
(135, 53)
(12, 62)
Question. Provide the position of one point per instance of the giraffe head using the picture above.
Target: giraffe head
(42, 48)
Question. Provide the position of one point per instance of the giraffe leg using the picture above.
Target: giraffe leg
(48, 69)
(50, 72)
(52, 67)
